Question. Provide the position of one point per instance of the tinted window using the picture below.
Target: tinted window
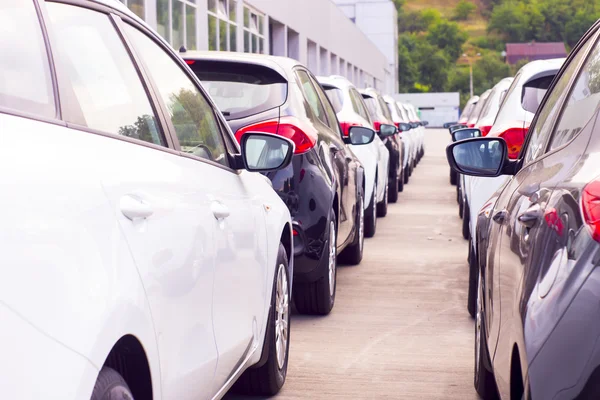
(311, 96)
(360, 104)
(540, 132)
(533, 93)
(336, 97)
(190, 112)
(106, 87)
(331, 117)
(581, 107)
(384, 109)
(25, 83)
(241, 90)
(371, 104)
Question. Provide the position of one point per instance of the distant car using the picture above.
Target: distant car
(408, 136)
(474, 117)
(380, 115)
(414, 116)
(538, 287)
(351, 111)
(140, 256)
(468, 110)
(512, 122)
(324, 187)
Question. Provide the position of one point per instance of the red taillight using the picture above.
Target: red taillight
(485, 129)
(301, 133)
(470, 125)
(376, 126)
(346, 127)
(590, 203)
(294, 232)
(514, 138)
(397, 124)
(189, 62)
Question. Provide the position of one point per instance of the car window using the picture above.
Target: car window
(106, 87)
(384, 109)
(371, 104)
(361, 107)
(331, 117)
(191, 114)
(25, 83)
(540, 132)
(311, 96)
(534, 91)
(404, 114)
(581, 107)
(336, 96)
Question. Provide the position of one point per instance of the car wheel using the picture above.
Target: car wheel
(453, 177)
(383, 206)
(353, 254)
(267, 379)
(393, 186)
(473, 274)
(401, 182)
(466, 214)
(110, 385)
(318, 297)
(371, 214)
(484, 381)
(406, 174)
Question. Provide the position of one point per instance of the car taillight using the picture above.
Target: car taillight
(190, 62)
(376, 126)
(397, 124)
(590, 203)
(301, 133)
(346, 127)
(485, 129)
(514, 138)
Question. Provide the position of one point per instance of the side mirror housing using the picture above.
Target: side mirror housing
(386, 130)
(425, 123)
(457, 127)
(447, 124)
(359, 135)
(465, 133)
(484, 157)
(265, 152)
(405, 127)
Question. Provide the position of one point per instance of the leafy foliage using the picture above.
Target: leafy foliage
(463, 10)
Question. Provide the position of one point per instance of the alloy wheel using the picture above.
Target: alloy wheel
(332, 258)
(282, 317)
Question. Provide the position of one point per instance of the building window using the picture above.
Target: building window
(222, 27)
(176, 22)
(137, 6)
(254, 38)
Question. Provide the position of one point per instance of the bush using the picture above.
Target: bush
(463, 10)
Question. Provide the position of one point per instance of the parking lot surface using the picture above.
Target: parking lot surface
(399, 328)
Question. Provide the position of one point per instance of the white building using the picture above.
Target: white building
(435, 108)
(314, 32)
(378, 19)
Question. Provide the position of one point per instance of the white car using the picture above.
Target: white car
(351, 110)
(414, 117)
(140, 258)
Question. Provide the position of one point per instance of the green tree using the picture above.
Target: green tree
(487, 71)
(447, 36)
(463, 10)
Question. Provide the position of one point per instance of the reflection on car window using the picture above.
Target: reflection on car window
(263, 152)
(534, 91)
(107, 87)
(311, 96)
(192, 115)
(331, 117)
(478, 155)
(25, 83)
(336, 96)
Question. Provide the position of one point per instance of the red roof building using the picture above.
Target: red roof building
(534, 51)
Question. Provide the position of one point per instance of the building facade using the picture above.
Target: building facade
(435, 108)
(315, 32)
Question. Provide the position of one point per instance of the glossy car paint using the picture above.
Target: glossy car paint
(79, 276)
(541, 281)
(328, 176)
(468, 110)
(478, 108)
(374, 157)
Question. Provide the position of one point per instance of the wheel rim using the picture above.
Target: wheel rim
(282, 317)
(361, 226)
(332, 255)
(478, 322)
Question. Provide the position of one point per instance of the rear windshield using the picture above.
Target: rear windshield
(336, 96)
(404, 114)
(241, 90)
(386, 111)
(468, 110)
(478, 108)
(371, 106)
(534, 91)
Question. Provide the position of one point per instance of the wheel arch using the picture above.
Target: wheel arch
(517, 383)
(130, 360)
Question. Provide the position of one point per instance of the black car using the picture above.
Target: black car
(380, 115)
(324, 185)
(537, 331)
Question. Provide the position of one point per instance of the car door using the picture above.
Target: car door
(236, 216)
(524, 216)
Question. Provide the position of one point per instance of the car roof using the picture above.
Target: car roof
(335, 80)
(282, 65)
(372, 92)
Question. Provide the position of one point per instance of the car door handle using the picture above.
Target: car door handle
(529, 217)
(500, 216)
(219, 210)
(135, 208)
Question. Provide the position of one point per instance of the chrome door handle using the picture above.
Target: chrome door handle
(499, 216)
(529, 217)
(135, 208)
(219, 210)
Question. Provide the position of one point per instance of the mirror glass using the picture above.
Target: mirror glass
(457, 127)
(405, 127)
(265, 152)
(361, 135)
(387, 130)
(467, 133)
(480, 157)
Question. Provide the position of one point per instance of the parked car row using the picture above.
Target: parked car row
(171, 206)
(530, 196)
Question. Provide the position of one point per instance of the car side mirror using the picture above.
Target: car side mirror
(386, 130)
(403, 127)
(449, 124)
(457, 127)
(425, 123)
(359, 135)
(465, 133)
(485, 157)
(264, 152)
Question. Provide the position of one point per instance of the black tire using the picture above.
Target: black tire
(401, 183)
(267, 379)
(353, 253)
(473, 275)
(406, 173)
(382, 207)
(371, 214)
(410, 170)
(453, 177)
(393, 188)
(483, 379)
(315, 298)
(110, 385)
(466, 220)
